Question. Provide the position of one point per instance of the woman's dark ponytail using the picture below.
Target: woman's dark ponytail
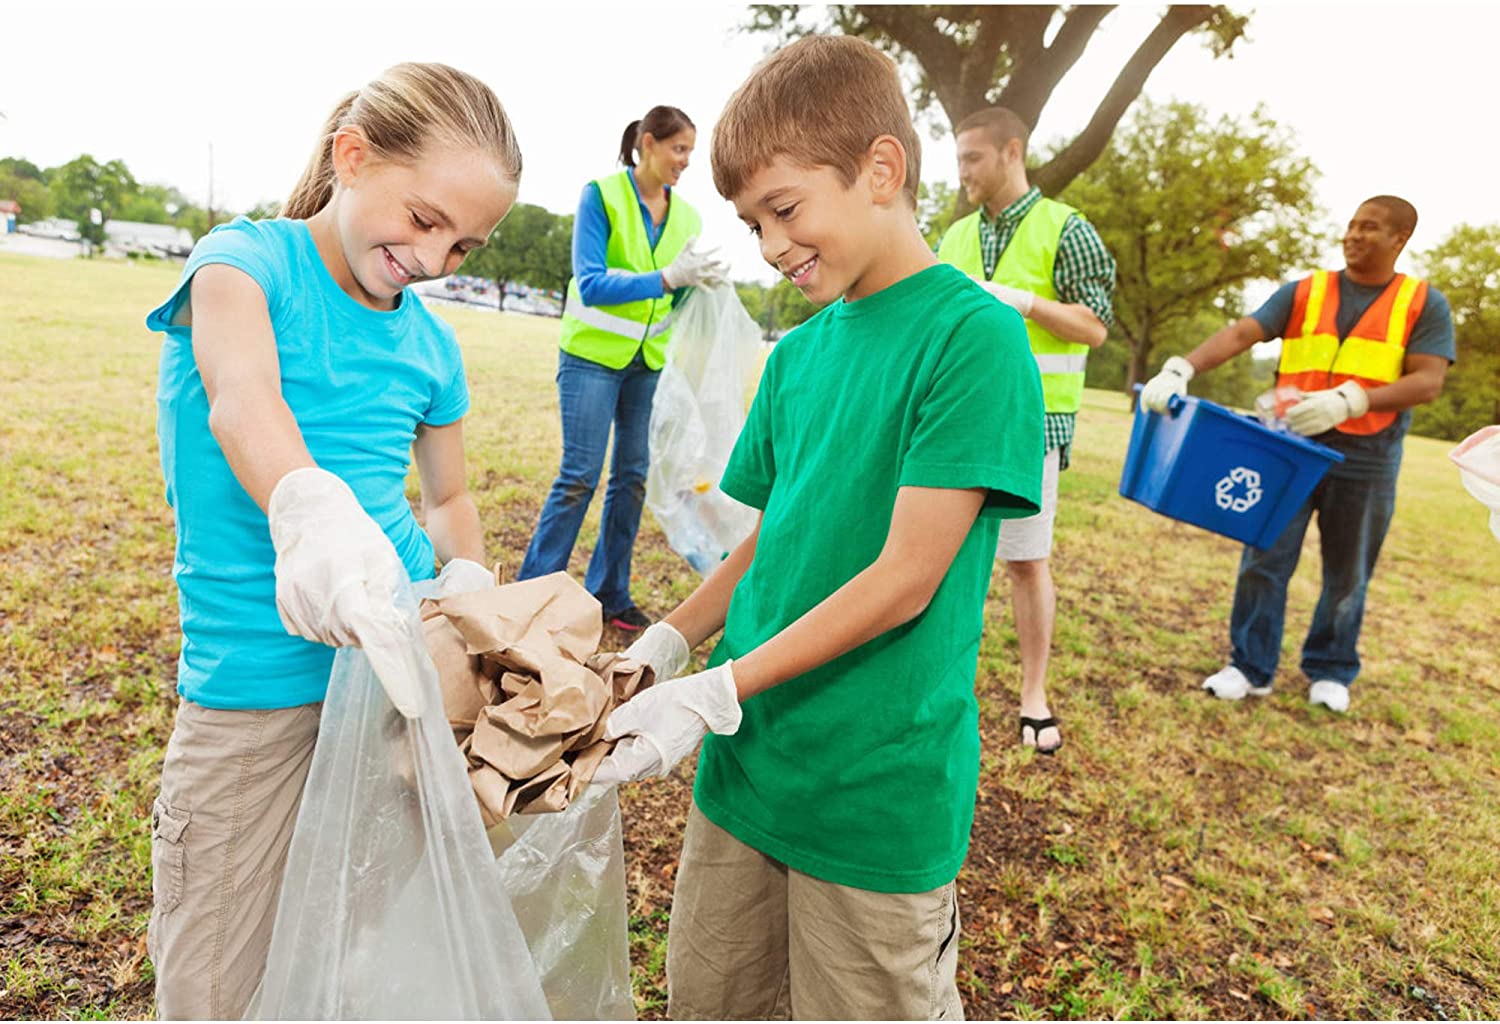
(627, 143)
(661, 122)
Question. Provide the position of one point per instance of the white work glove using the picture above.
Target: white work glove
(337, 574)
(693, 268)
(663, 648)
(1018, 298)
(461, 576)
(660, 726)
(1172, 380)
(1321, 411)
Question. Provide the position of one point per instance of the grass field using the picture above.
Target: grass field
(1181, 857)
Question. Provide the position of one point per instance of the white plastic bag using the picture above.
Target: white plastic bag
(1478, 459)
(704, 391)
(392, 905)
(565, 875)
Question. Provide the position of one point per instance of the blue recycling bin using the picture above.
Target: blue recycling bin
(1226, 472)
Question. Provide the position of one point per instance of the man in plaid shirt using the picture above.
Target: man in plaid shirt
(1046, 260)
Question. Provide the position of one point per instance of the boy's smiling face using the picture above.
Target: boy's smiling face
(812, 227)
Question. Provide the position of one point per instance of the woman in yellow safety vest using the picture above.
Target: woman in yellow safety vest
(633, 259)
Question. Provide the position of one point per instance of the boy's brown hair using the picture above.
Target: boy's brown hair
(819, 102)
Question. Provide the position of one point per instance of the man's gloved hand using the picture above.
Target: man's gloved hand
(1018, 298)
(694, 268)
(337, 575)
(660, 726)
(1321, 411)
(461, 576)
(663, 648)
(1172, 380)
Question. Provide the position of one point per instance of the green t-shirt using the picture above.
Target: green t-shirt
(863, 772)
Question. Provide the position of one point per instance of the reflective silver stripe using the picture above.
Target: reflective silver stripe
(620, 325)
(1060, 364)
(664, 324)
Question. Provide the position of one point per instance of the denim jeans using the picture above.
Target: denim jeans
(594, 397)
(1353, 516)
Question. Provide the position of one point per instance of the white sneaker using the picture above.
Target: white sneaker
(1331, 694)
(1229, 683)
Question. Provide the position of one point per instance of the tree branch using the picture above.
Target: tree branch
(1037, 70)
(1053, 176)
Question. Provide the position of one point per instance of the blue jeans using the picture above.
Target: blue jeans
(1353, 516)
(594, 397)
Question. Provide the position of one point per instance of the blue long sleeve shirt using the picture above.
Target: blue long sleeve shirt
(598, 283)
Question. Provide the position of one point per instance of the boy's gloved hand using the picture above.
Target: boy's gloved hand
(693, 268)
(663, 648)
(337, 575)
(660, 726)
(1320, 411)
(1172, 380)
(1018, 298)
(461, 576)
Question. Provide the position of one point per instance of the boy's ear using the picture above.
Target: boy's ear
(886, 161)
(351, 152)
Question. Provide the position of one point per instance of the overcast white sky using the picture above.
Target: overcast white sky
(1383, 97)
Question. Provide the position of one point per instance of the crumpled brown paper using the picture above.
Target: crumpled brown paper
(525, 690)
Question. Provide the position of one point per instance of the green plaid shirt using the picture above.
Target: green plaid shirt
(1084, 272)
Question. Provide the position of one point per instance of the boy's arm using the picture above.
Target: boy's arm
(703, 613)
(928, 526)
(664, 724)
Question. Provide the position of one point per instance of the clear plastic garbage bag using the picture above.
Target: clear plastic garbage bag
(392, 905)
(565, 875)
(702, 395)
(1478, 459)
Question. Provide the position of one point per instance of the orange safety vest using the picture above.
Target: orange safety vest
(1314, 358)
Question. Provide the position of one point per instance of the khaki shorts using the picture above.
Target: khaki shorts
(751, 939)
(1030, 539)
(230, 789)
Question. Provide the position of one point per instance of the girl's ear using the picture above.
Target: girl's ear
(886, 163)
(351, 154)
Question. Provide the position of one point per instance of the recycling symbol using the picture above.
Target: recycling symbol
(1239, 491)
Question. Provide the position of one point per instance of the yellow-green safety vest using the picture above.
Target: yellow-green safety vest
(1027, 263)
(611, 335)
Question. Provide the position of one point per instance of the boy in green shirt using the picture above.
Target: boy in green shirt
(890, 435)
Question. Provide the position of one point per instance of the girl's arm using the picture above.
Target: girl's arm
(234, 347)
(447, 507)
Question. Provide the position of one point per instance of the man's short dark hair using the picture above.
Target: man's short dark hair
(1403, 215)
(1000, 125)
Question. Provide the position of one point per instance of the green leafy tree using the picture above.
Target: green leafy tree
(1193, 209)
(1465, 267)
(24, 182)
(532, 246)
(963, 57)
(83, 185)
(937, 204)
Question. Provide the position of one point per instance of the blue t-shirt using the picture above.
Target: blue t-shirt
(359, 382)
(1367, 456)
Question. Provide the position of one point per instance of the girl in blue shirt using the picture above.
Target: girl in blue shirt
(300, 375)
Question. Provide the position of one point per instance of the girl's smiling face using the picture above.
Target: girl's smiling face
(398, 223)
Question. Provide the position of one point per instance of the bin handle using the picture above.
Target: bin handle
(1175, 403)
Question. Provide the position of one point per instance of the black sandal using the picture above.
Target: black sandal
(1037, 725)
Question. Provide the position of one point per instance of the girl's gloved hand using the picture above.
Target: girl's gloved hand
(461, 576)
(337, 574)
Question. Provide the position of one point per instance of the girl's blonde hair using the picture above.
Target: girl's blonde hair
(409, 108)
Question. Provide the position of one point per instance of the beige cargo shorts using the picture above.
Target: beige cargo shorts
(230, 789)
(751, 939)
